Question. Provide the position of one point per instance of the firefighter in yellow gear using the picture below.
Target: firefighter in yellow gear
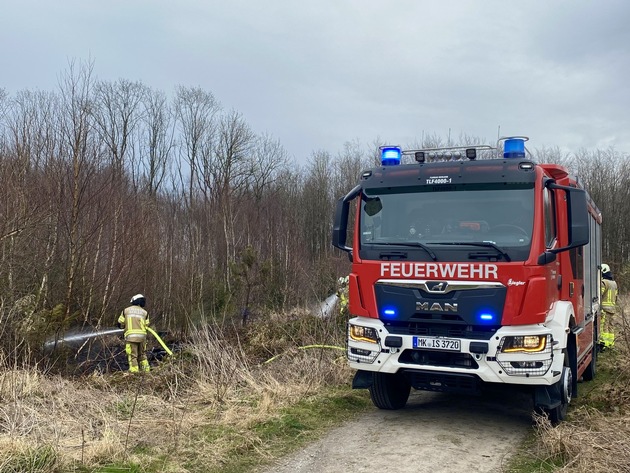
(342, 293)
(135, 320)
(609, 305)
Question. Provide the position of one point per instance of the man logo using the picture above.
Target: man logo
(436, 307)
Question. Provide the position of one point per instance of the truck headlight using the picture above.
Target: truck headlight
(363, 334)
(523, 343)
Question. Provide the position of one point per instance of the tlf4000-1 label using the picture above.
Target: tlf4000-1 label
(438, 180)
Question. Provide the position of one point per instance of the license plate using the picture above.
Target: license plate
(432, 343)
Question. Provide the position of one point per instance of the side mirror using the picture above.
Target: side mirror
(579, 233)
(578, 224)
(340, 223)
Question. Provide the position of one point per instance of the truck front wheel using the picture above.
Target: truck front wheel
(390, 391)
(564, 390)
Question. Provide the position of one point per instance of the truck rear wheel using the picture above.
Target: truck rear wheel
(390, 391)
(591, 369)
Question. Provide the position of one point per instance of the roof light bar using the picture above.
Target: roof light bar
(449, 153)
(512, 147)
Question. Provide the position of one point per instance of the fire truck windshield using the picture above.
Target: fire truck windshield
(446, 221)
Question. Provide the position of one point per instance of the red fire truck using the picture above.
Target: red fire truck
(471, 265)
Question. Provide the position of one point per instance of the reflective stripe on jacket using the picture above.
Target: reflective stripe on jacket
(136, 321)
(609, 295)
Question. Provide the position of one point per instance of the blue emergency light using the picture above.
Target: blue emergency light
(514, 148)
(390, 155)
(487, 316)
(389, 312)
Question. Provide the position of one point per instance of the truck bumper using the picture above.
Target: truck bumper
(457, 362)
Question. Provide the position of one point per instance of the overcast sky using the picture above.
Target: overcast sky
(316, 74)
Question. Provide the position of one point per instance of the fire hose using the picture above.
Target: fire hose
(160, 341)
(306, 347)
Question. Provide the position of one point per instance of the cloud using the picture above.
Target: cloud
(318, 74)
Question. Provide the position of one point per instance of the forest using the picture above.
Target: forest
(114, 188)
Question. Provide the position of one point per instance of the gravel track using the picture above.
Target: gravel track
(434, 433)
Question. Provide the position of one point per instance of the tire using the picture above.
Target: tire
(591, 369)
(565, 388)
(390, 391)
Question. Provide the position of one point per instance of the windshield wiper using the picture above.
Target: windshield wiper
(413, 244)
(486, 244)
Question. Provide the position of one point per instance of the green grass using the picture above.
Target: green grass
(294, 426)
(119, 469)
(603, 392)
(113, 468)
(290, 429)
(36, 460)
(526, 461)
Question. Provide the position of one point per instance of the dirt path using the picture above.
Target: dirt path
(434, 433)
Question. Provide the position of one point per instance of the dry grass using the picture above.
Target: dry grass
(40, 412)
(190, 414)
(203, 407)
(593, 442)
(596, 437)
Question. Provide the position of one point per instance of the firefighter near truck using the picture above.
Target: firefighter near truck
(471, 265)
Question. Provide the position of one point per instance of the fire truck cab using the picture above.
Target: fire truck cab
(468, 268)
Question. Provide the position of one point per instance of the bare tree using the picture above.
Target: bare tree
(31, 122)
(157, 142)
(117, 113)
(264, 165)
(235, 143)
(195, 110)
(317, 204)
(77, 129)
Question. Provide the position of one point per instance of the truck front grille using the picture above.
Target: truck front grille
(437, 358)
(443, 382)
(455, 330)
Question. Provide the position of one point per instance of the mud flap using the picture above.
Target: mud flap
(362, 380)
(547, 397)
(550, 397)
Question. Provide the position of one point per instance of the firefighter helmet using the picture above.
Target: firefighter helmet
(605, 268)
(138, 299)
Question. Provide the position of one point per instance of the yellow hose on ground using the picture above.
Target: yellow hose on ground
(334, 347)
(160, 341)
